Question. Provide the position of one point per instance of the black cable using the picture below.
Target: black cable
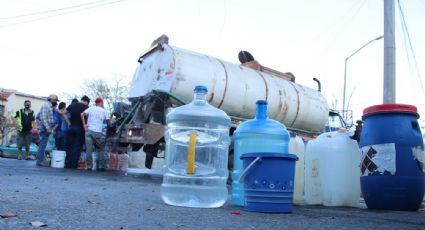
(406, 31)
(59, 14)
(52, 10)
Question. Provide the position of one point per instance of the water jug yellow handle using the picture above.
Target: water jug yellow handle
(191, 153)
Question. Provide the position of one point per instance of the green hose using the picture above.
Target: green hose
(133, 110)
(173, 96)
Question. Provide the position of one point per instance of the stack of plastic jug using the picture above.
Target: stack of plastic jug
(333, 170)
(296, 146)
(257, 135)
(197, 142)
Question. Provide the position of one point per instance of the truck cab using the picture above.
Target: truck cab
(335, 121)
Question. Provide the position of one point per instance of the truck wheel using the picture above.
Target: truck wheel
(151, 152)
(149, 160)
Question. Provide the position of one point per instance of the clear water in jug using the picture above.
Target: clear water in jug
(197, 142)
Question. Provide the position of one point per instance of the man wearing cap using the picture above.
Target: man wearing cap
(46, 125)
(96, 117)
(75, 133)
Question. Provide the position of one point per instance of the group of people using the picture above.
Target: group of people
(72, 127)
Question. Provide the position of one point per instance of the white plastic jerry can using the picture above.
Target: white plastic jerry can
(312, 176)
(296, 146)
(341, 174)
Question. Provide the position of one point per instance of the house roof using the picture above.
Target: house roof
(30, 96)
(5, 95)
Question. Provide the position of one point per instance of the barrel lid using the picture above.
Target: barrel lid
(383, 108)
(270, 154)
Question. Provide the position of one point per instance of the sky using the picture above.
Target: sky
(55, 52)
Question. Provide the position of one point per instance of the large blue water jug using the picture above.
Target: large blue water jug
(393, 158)
(196, 154)
(257, 135)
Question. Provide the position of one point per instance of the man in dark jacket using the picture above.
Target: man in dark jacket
(24, 120)
(75, 133)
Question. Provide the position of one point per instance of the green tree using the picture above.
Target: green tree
(113, 90)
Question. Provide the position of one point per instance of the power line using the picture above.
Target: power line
(340, 27)
(59, 14)
(51, 11)
(407, 34)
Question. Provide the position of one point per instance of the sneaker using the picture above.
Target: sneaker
(43, 164)
(19, 157)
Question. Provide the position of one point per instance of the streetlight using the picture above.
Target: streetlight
(345, 68)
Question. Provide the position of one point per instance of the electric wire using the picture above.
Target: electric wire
(60, 14)
(409, 42)
(51, 10)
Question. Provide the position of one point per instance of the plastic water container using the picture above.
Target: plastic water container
(393, 158)
(58, 159)
(94, 164)
(268, 181)
(257, 135)
(341, 173)
(296, 146)
(312, 174)
(197, 142)
(332, 170)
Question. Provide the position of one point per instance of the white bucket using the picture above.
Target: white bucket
(58, 159)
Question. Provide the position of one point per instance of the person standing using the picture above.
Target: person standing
(46, 126)
(75, 133)
(96, 117)
(25, 119)
(61, 129)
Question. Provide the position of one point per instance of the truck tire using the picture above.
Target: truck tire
(151, 152)
(149, 160)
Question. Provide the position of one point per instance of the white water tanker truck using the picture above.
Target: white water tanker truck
(165, 79)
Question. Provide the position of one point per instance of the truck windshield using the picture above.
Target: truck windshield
(334, 122)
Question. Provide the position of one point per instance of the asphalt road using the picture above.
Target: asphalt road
(73, 199)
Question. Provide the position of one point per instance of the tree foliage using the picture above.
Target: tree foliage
(7, 126)
(114, 90)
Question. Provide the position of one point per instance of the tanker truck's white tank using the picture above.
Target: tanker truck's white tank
(231, 87)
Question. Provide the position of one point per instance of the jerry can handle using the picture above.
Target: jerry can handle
(247, 169)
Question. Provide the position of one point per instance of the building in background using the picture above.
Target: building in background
(10, 102)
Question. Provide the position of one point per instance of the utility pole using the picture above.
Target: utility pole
(389, 52)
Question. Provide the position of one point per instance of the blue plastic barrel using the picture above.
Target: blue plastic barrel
(393, 158)
(268, 181)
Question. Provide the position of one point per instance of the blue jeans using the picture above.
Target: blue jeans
(74, 145)
(44, 136)
(60, 140)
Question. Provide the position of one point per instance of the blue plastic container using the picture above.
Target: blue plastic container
(268, 181)
(257, 135)
(392, 163)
